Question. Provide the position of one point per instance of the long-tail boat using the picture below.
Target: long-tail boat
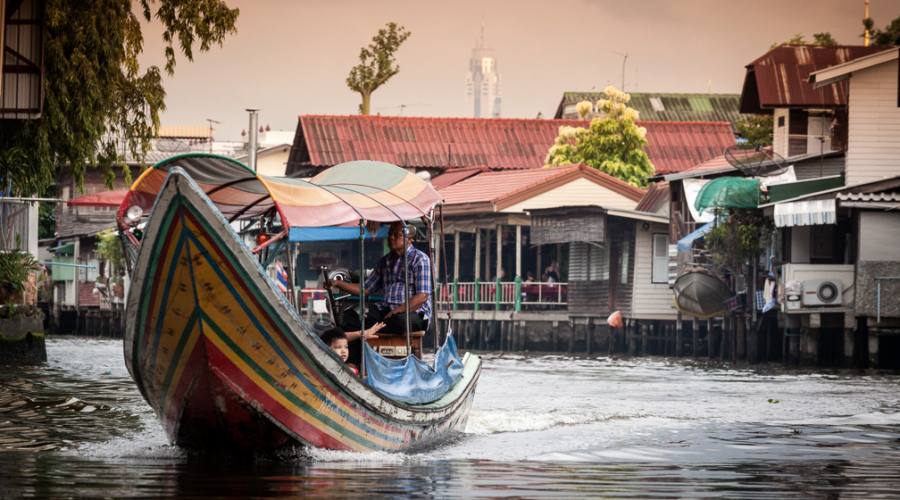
(220, 352)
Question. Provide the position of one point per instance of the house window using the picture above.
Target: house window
(623, 271)
(657, 104)
(780, 121)
(660, 270)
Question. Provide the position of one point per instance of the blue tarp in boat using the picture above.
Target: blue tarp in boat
(411, 380)
(685, 244)
(332, 233)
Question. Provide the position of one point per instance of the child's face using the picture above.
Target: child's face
(339, 346)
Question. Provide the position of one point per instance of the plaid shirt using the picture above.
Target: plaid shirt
(389, 277)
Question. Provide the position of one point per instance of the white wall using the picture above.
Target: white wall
(649, 300)
(879, 234)
(577, 192)
(780, 134)
(873, 149)
(273, 162)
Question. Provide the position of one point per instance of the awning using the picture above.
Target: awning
(685, 244)
(805, 213)
(102, 199)
(339, 233)
(728, 192)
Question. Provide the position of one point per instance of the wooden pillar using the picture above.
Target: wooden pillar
(589, 334)
(518, 251)
(456, 255)
(477, 253)
(709, 330)
(643, 339)
(555, 335)
(695, 335)
(573, 326)
(499, 251)
(678, 335)
(540, 270)
(487, 255)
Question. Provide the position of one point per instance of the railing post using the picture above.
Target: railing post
(455, 293)
(477, 293)
(517, 301)
(497, 292)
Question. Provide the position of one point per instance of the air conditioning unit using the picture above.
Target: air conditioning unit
(822, 292)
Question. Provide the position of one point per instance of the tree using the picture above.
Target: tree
(890, 35)
(97, 100)
(377, 64)
(824, 39)
(612, 143)
(756, 129)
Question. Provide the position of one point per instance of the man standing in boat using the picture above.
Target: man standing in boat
(388, 279)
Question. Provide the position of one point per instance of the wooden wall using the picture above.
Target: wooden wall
(874, 121)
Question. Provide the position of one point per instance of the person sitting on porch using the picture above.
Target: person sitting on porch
(388, 278)
(551, 273)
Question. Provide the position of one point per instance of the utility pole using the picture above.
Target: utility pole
(210, 134)
(254, 130)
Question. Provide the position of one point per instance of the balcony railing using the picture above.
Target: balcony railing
(503, 295)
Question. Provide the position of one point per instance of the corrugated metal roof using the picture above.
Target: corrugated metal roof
(667, 107)
(655, 199)
(453, 176)
(879, 196)
(779, 78)
(494, 187)
(441, 143)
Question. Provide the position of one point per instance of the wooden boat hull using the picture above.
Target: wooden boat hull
(225, 361)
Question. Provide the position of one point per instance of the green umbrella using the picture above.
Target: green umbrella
(728, 192)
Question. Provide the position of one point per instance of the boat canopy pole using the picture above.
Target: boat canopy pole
(362, 296)
(444, 259)
(406, 284)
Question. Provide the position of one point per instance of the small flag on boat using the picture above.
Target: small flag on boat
(281, 277)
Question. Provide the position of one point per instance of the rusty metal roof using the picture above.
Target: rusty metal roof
(659, 106)
(451, 177)
(495, 143)
(779, 78)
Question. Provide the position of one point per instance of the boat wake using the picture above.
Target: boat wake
(502, 421)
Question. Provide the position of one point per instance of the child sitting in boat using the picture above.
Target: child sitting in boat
(339, 341)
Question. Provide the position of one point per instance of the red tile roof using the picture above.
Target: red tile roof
(778, 78)
(496, 143)
(491, 191)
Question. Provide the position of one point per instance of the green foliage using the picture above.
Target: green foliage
(612, 143)
(824, 39)
(756, 129)
(109, 248)
(96, 95)
(735, 240)
(377, 63)
(15, 266)
(888, 36)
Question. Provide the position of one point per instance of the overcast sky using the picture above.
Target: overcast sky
(292, 57)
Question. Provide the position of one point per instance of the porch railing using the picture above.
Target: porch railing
(503, 295)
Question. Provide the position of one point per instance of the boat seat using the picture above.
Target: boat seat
(393, 345)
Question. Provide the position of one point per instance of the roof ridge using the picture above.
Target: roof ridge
(497, 120)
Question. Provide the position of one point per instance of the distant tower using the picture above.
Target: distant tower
(483, 82)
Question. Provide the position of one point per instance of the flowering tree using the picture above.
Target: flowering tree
(612, 143)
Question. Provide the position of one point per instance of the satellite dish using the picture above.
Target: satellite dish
(755, 161)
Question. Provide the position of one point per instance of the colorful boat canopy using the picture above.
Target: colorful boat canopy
(343, 194)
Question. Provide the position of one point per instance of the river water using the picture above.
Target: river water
(540, 426)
